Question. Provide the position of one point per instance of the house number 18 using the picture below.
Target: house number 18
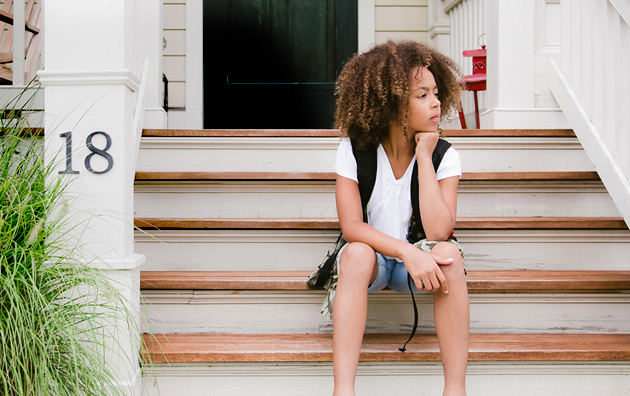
(88, 159)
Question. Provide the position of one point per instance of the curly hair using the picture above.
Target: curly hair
(373, 88)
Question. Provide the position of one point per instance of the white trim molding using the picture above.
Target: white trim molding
(90, 77)
(367, 25)
(129, 263)
(439, 29)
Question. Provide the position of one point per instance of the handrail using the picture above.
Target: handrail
(138, 117)
(10, 19)
(623, 8)
(591, 86)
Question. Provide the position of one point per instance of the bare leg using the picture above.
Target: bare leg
(452, 317)
(357, 270)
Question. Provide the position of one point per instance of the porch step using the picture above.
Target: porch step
(478, 281)
(477, 223)
(314, 151)
(298, 311)
(311, 194)
(224, 348)
(272, 249)
(542, 302)
(499, 364)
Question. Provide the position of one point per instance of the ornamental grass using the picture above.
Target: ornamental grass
(56, 312)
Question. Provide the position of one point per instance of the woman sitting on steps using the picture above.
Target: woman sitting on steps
(391, 100)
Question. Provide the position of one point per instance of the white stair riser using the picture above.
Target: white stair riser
(378, 379)
(318, 155)
(290, 250)
(388, 312)
(309, 199)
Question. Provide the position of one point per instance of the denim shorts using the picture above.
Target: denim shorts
(393, 273)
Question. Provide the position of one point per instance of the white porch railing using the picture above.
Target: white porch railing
(468, 22)
(592, 86)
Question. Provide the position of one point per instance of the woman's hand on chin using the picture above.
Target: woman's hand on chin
(425, 143)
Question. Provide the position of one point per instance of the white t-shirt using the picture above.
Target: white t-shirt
(389, 209)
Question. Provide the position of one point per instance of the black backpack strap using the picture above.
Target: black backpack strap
(366, 174)
(441, 148)
(415, 314)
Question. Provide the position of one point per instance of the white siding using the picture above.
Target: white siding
(174, 56)
(401, 20)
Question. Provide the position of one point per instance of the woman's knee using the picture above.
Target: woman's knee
(357, 261)
(449, 250)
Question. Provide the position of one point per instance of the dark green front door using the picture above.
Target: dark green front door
(273, 63)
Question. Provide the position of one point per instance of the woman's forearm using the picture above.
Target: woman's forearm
(438, 218)
(361, 232)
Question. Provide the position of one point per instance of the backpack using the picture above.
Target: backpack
(326, 274)
(366, 175)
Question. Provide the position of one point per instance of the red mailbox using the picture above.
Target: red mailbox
(476, 81)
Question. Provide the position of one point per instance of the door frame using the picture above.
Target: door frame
(191, 117)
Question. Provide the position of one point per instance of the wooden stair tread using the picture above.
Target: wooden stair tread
(508, 133)
(191, 348)
(335, 133)
(240, 133)
(537, 176)
(294, 176)
(330, 176)
(478, 281)
(463, 223)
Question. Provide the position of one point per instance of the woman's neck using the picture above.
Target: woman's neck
(396, 145)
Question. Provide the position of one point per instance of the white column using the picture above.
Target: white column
(90, 79)
(512, 58)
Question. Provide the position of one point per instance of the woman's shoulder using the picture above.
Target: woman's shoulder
(451, 164)
(345, 164)
(345, 143)
(452, 153)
